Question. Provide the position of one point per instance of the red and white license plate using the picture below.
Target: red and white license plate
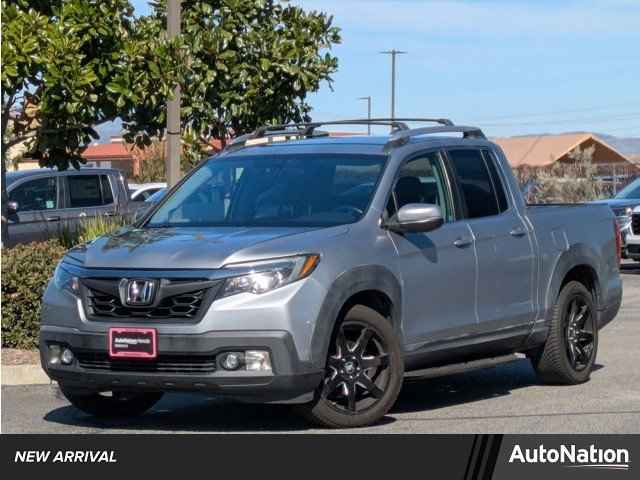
(127, 342)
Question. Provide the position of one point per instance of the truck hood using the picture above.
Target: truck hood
(176, 248)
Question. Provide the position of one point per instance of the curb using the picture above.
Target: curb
(24, 375)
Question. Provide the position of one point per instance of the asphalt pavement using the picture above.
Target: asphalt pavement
(503, 399)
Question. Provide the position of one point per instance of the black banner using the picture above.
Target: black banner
(343, 456)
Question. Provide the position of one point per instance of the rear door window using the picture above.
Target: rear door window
(475, 183)
(107, 192)
(496, 180)
(84, 191)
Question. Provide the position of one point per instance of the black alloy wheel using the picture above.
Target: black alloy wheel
(579, 333)
(569, 352)
(356, 375)
(363, 375)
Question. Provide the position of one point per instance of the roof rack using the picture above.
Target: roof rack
(467, 132)
(278, 133)
(401, 132)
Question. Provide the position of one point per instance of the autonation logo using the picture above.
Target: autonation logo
(574, 457)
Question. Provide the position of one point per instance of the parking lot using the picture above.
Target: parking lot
(504, 399)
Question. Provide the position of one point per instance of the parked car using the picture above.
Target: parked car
(149, 203)
(622, 205)
(44, 201)
(257, 278)
(156, 197)
(141, 192)
(633, 238)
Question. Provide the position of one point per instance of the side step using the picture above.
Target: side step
(462, 367)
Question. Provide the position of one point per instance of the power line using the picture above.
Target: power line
(557, 112)
(564, 121)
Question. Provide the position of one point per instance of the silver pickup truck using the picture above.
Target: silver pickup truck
(315, 270)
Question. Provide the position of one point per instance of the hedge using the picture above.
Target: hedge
(26, 270)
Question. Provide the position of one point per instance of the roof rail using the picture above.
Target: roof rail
(276, 133)
(405, 135)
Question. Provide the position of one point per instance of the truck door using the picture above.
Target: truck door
(38, 214)
(503, 244)
(438, 268)
(87, 195)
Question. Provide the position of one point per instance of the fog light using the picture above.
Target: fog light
(257, 360)
(232, 360)
(54, 354)
(67, 357)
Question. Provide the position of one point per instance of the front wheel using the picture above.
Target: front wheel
(112, 404)
(363, 374)
(571, 347)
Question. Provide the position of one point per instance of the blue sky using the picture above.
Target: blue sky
(510, 66)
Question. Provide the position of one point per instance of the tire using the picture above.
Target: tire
(559, 361)
(364, 372)
(119, 404)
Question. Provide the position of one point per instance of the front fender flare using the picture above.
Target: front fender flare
(359, 279)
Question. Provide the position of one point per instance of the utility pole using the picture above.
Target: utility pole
(172, 161)
(368, 99)
(393, 54)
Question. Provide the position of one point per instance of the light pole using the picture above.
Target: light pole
(172, 161)
(393, 54)
(368, 99)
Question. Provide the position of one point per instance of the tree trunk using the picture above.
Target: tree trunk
(5, 198)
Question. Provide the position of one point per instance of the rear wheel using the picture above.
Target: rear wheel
(112, 404)
(570, 351)
(363, 374)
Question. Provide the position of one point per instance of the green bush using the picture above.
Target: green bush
(26, 270)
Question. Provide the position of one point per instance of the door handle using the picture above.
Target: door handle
(518, 232)
(52, 219)
(462, 242)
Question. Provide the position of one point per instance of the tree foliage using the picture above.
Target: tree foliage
(569, 182)
(249, 63)
(69, 65)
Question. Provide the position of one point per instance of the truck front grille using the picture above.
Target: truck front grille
(635, 223)
(185, 305)
(176, 300)
(163, 364)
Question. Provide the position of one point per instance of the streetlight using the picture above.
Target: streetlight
(368, 99)
(393, 54)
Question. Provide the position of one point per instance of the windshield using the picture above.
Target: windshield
(284, 190)
(630, 191)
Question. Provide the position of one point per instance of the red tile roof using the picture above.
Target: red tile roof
(544, 150)
(108, 151)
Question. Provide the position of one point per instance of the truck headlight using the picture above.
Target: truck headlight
(65, 280)
(264, 276)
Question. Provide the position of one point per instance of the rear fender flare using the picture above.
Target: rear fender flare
(578, 254)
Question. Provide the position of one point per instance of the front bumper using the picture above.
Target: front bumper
(291, 380)
(632, 246)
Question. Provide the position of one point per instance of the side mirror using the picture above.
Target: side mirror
(12, 208)
(416, 217)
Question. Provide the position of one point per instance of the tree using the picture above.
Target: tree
(68, 66)
(249, 63)
(570, 182)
